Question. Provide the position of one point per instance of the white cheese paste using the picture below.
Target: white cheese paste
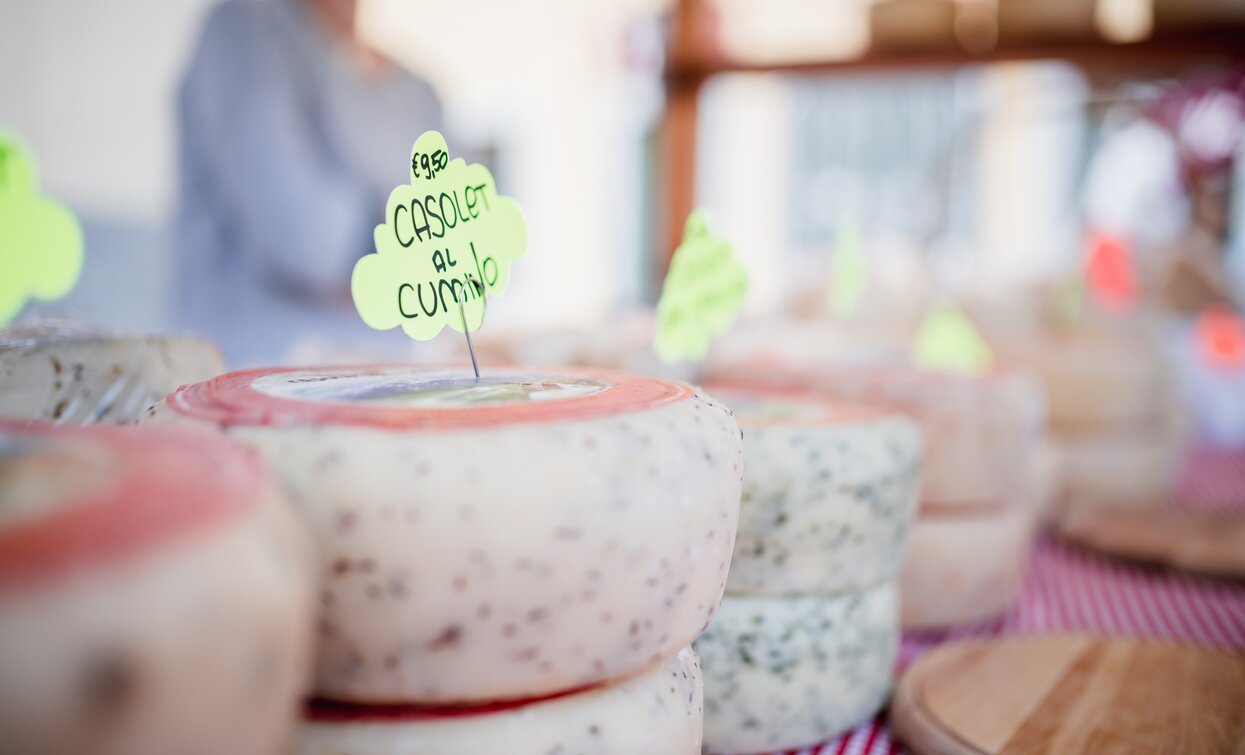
(70, 374)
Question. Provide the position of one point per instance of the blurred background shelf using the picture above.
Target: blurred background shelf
(1110, 40)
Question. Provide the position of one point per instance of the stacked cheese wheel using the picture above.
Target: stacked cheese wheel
(803, 644)
(1113, 413)
(70, 373)
(971, 540)
(155, 595)
(506, 540)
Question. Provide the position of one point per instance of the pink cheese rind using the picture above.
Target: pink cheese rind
(232, 399)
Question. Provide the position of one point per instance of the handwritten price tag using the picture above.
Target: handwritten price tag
(40, 240)
(448, 237)
(947, 341)
(702, 294)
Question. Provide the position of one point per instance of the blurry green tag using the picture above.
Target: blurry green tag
(40, 240)
(847, 282)
(1067, 301)
(947, 341)
(447, 237)
(703, 292)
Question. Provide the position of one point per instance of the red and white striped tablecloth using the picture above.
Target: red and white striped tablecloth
(1068, 589)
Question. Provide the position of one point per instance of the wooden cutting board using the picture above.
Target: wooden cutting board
(1071, 694)
(1212, 544)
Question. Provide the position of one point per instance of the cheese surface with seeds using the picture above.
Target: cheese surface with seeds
(829, 493)
(783, 673)
(68, 373)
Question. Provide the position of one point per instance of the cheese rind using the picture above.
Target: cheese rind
(783, 673)
(964, 567)
(828, 497)
(122, 643)
(500, 558)
(73, 375)
(656, 711)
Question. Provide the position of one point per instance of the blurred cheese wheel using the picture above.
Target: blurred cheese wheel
(979, 431)
(510, 538)
(964, 567)
(155, 595)
(1095, 378)
(72, 374)
(783, 673)
(657, 711)
(829, 492)
(1135, 467)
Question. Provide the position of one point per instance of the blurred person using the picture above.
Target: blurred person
(292, 134)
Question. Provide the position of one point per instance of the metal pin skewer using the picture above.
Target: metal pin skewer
(467, 331)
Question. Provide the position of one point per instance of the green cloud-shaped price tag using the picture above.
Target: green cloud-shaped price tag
(448, 237)
(847, 282)
(947, 341)
(703, 293)
(40, 240)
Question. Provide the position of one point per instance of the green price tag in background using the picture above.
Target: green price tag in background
(702, 294)
(947, 341)
(40, 240)
(448, 238)
(847, 281)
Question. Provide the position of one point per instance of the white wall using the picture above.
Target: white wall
(88, 86)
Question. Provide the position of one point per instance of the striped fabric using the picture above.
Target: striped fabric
(1068, 589)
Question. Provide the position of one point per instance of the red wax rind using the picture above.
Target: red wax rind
(232, 399)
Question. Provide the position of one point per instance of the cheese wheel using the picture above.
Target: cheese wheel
(829, 492)
(1132, 467)
(72, 374)
(504, 539)
(155, 595)
(1097, 378)
(964, 567)
(979, 430)
(782, 673)
(659, 710)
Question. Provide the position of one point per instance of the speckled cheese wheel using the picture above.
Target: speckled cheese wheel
(979, 430)
(155, 595)
(783, 673)
(67, 373)
(659, 710)
(964, 567)
(1134, 467)
(829, 492)
(501, 540)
